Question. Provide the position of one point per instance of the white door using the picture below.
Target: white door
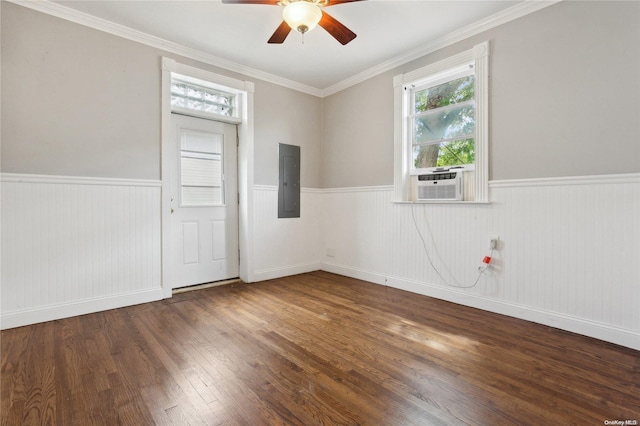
(204, 201)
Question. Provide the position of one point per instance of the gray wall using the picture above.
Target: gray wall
(564, 100)
(291, 117)
(80, 102)
(358, 135)
(76, 101)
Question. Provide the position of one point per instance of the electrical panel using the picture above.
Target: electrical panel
(289, 181)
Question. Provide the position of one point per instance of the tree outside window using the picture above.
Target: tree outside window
(444, 124)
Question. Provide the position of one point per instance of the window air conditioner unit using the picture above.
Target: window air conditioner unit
(440, 186)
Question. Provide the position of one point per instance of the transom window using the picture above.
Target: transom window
(191, 96)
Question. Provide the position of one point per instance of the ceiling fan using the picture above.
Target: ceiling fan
(303, 16)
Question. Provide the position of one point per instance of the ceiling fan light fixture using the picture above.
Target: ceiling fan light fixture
(302, 15)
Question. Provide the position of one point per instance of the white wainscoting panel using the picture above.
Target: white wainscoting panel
(285, 246)
(567, 257)
(76, 245)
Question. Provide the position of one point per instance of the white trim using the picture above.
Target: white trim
(77, 241)
(274, 188)
(358, 189)
(499, 220)
(497, 19)
(311, 190)
(109, 27)
(455, 202)
(401, 182)
(78, 307)
(405, 84)
(76, 180)
(620, 336)
(481, 54)
(211, 79)
(500, 18)
(567, 180)
(511, 183)
(356, 273)
(506, 183)
(244, 90)
(205, 115)
(284, 271)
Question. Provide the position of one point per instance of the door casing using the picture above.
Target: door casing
(245, 90)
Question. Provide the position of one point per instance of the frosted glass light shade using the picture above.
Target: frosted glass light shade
(302, 16)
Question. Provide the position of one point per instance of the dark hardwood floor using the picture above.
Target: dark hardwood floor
(311, 349)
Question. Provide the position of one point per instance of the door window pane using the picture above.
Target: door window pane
(201, 172)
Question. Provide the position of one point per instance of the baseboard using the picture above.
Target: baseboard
(359, 274)
(79, 307)
(284, 271)
(619, 336)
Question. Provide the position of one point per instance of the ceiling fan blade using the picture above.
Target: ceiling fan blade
(280, 34)
(274, 2)
(334, 2)
(337, 30)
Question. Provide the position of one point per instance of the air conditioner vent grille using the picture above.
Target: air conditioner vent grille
(440, 186)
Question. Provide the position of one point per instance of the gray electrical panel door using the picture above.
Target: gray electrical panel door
(289, 182)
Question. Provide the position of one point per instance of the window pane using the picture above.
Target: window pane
(200, 98)
(201, 172)
(179, 102)
(453, 153)
(445, 124)
(178, 88)
(201, 168)
(452, 92)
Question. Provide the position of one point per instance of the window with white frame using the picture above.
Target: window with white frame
(441, 123)
(442, 117)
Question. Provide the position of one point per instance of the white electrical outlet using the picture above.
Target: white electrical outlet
(493, 242)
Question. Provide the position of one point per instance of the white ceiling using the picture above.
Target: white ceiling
(387, 30)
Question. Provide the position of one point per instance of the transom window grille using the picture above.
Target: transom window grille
(190, 96)
(201, 174)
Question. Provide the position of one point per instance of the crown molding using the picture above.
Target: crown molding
(63, 12)
(522, 9)
(66, 13)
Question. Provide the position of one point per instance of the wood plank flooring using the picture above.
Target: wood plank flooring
(312, 349)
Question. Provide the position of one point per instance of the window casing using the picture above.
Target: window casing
(441, 122)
